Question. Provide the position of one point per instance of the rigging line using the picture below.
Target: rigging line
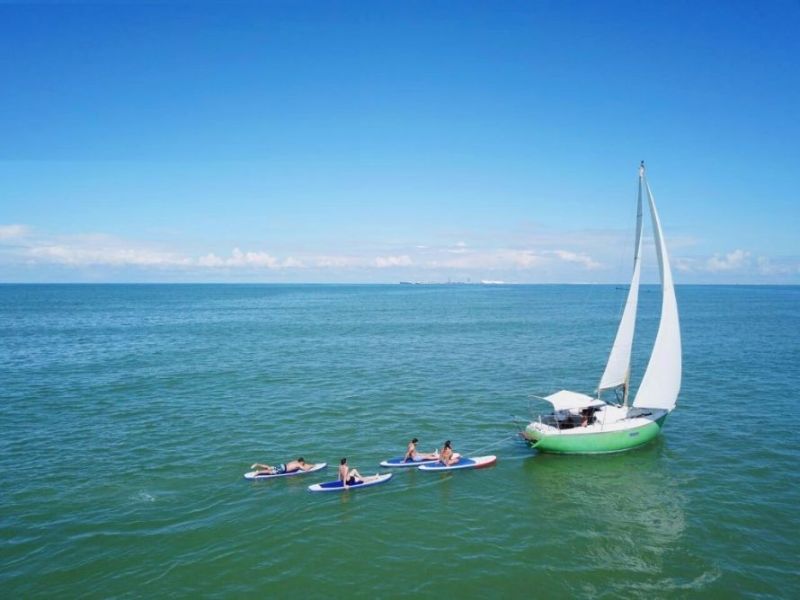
(623, 266)
(493, 444)
(520, 421)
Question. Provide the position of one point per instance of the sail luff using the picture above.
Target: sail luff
(662, 378)
(619, 360)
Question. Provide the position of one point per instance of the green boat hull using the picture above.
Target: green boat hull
(602, 442)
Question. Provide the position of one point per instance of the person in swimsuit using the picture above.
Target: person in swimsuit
(447, 457)
(412, 454)
(293, 465)
(347, 475)
(588, 416)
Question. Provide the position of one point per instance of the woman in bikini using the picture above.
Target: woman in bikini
(412, 454)
(447, 457)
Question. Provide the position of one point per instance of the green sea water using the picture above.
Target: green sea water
(128, 415)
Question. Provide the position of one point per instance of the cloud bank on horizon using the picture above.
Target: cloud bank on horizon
(98, 257)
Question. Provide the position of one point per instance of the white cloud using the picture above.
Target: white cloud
(459, 248)
(9, 232)
(336, 262)
(383, 262)
(523, 259)
(73, 255)
(535, 258)
(357, 262)
(293, 263)
(211, 261)
(514, 259)
(732, 261)
(579, 258)
(490, 259)
(740, 263)
(252, 259)
(244, 260)
(784, 267)
(684, 265)
(103, 250)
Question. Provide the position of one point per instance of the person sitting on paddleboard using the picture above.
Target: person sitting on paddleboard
(447, 457)
(293, 465)
(348, 476)
(412, 454)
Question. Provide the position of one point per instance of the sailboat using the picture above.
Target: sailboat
(584, 424)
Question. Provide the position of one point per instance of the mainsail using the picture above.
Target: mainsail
(662, 379)
(617, 371)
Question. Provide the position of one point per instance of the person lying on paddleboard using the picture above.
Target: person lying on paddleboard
(412, 454)
(348, 476)
(447, 457)
(293, 465)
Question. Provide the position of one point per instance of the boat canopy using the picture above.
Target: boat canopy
(565, 400)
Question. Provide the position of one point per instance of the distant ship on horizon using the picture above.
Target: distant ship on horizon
(448, 282)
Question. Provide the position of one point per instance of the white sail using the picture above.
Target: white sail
(662, 379)
(619, 360)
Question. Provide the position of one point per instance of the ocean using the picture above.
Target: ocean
(129, 413)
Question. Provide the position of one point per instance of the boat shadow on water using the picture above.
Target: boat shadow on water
(619, 513)
(625, 488)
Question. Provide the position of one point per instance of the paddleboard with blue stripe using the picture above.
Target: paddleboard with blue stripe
(255, 475)
(475, 462)
(401, 462)
(338, 486)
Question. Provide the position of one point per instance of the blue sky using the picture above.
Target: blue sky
(387, 141)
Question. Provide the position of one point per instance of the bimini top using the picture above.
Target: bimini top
(565, 400)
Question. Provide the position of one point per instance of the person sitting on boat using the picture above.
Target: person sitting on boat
(447, 457)
(293, 465)
(587, 416)
(412, 454)
(347, 475)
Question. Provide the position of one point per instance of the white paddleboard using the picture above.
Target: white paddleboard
(338, 486)
(474, 462)
(400, 462)
(254, 475)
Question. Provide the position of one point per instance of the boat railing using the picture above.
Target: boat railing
(566, 421)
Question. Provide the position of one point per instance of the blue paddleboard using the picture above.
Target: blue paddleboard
(255, 475)
(338, 486)
(476, 462)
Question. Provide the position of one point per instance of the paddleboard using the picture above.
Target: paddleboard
(337, 486)
(399, 462)
(253, 475)
(475, 462)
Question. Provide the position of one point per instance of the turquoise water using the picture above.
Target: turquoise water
(130, 413)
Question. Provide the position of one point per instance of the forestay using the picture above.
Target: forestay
(617, 371)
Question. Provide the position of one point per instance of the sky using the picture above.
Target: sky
(291, 141)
